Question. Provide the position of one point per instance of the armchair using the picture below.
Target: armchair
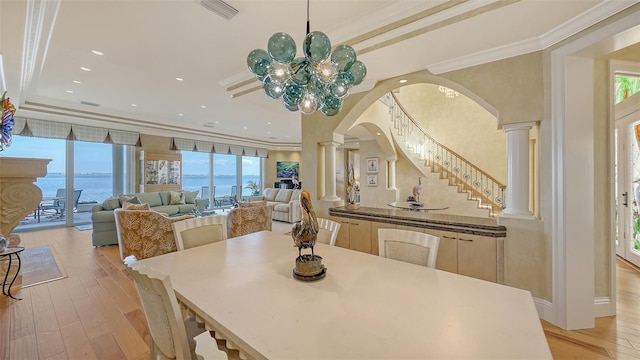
(145, 233)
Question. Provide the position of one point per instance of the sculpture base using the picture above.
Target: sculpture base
(309, 268)
(353, 206)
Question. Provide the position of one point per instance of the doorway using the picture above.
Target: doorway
(627, 183)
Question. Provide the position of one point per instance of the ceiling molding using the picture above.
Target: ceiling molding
(562, 32)
(40, 21)
(81, 117)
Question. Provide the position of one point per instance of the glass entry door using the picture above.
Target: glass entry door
(627, 173)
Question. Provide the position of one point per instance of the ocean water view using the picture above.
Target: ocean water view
(97, 187)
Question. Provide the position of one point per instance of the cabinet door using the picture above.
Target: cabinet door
(360, 235)
(477, 256)
(342, 239)
(447, 259)
(374, 235)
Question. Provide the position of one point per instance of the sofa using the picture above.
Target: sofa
(168, 202)
(285, 203)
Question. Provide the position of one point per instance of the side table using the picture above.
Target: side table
(10, 252)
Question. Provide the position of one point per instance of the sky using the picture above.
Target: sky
(96, 157)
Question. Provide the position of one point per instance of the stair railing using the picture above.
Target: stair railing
(459, 171)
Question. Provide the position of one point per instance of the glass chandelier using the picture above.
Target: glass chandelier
(318, 80)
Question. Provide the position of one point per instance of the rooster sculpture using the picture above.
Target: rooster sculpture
(305, 232)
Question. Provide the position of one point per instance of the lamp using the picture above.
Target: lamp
(318, 80)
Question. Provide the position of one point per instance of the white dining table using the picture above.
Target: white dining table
(366, 307)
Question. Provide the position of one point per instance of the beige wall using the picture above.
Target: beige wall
(460, 124)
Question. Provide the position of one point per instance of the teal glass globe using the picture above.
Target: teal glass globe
(292, 94)
(326, 72)
(316, 47)
(291, 107)
(318, 88)
(272, 88)
(258, 62)
(331, 105)
(340, 88)
(301, 71)
(281, 47)
(358, 71)
(279, 72)
(343, 57)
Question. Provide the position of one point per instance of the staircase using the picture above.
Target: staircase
(430, 156)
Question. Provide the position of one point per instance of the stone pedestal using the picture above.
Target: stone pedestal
(19, 197)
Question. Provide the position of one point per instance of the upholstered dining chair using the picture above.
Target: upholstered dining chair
(328, 231)
(408, 246)
(199, 231)
(172, 335)
(246, 220)
(145, 233)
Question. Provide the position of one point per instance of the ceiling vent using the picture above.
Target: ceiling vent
(89, 103)
(220, 7)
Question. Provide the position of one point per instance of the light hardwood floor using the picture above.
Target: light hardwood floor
(95, 313)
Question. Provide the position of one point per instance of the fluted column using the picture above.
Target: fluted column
(517, 170)
(392, 173)
(330, 170)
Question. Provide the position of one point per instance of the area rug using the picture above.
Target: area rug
(39, 266)
(84, 227)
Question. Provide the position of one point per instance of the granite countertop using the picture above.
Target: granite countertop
(445, 222)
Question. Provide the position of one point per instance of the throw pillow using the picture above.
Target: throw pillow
(190, 196)
(129, 198)
(111, 203)
(131, 206)
(177, 198)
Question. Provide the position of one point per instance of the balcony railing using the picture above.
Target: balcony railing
(439, 159)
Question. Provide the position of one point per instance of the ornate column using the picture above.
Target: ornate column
(517, 170)
(330, 170)
(19, 197)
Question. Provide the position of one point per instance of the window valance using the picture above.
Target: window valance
(217, 148)
(56, 130)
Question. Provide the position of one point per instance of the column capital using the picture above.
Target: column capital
(330, 143)
(518, 126)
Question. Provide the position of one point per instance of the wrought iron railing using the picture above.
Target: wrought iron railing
(456, 169)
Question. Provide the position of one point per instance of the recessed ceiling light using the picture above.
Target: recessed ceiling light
(217, 122)
(378, 134)
(268, 132)
(402, 81)
(244, 127)
(85, 68)
(180, 114)
(97, 52)
(179, 79)
(134, 105)
(203, 106)
(269, 123)
(287, 136)
(70, 91)
(77, 82)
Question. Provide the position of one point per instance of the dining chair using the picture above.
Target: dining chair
(247, 220)
(172, 336)
(328, 231)
(145, 233)
(199, 231)
(408, 246)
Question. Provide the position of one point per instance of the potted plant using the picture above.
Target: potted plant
(254, 187)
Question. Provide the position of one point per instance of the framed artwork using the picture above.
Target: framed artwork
(372, 165)
(372, 180)
(287, 169)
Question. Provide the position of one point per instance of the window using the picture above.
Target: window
(626, 85)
